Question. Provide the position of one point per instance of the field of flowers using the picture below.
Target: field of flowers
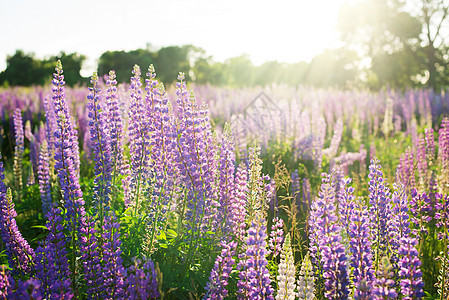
(140, 192)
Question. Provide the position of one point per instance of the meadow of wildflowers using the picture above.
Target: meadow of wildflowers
(140, 192)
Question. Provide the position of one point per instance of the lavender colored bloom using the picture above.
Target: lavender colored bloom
(422, 162)
(276, 237)
(5, 282)
(380, 209)
(218, 279)
(430, 145)
(226, 182)
(20, 255)
(113, 273)
(360, 247)
(195, 160)
(160, 122)
(346, 200)
(91, 261)
(286, 273)
(399, 223)
(405, 169)
(19, 148)
(328, 238)
(52, 266)
(101, 147)
(410, 272)
(26, 289)
(443, 152)
(115, 122)
(238, 204)
(139, 139)
(420, 208)
(141, 282)
(43, 175)
(254, 278)
(66, 159)
(384, 285)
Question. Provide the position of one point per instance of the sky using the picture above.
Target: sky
(283, 30)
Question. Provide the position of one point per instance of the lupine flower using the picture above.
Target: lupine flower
(19, 253)
(406, 170)
(410, 272)
(328, 237)
(276, 237)
(196, 160)
(113, 272)
(345, 203)
(420, 208)
(430, 146)
(218, 279)
(19, 148)
(52, 266)
(115, 122)
(141, 282)
(139, 139)
(443, 152)
(161, 181)
(226, 181)
(442, 222)
(26, 289)
(91, 261)
(65, 157)
(286, 273)
(360, 246)
(43, 175)
(239, 203)
(101, 147)
(50, 125)
(422, 162)
(384, 285)
(5, 284)
(254, 278)
(306, 280)
(67, 165)
(380, 209)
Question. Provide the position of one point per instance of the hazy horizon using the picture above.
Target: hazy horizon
(286, 31)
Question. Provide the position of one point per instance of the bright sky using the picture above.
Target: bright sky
(283, 30)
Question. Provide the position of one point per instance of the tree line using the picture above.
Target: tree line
(391, 43)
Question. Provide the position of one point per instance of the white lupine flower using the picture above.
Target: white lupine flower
(306, 281)
(286, 271)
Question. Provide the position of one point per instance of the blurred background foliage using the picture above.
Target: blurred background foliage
(384, 43)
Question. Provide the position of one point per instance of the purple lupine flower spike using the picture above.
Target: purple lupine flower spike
(380, 209)
(52, 265)
(254, 278)
(328, 237)
(115, 122)
(360, 247)
(113, 272)
(218, 280)
(43, 175)
(19, 253)
(276, 237)
(19, 148)
(142, 282)
(410, 272)
(101, 148)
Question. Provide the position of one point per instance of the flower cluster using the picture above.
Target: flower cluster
(20, 255)
(254, 278)
(286, 273)
(218, 280)
(19, 148)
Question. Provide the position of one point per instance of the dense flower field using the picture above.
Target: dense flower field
(138, 192)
